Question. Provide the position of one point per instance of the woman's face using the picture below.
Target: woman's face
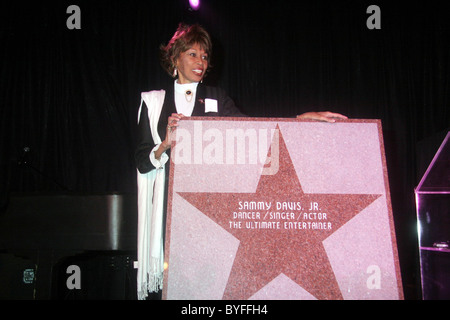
(192, 65)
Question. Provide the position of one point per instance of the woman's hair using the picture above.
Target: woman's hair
(183, 39)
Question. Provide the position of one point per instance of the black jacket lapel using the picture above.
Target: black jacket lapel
(199, 106)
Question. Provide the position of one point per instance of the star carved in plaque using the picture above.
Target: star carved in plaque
(288, 239)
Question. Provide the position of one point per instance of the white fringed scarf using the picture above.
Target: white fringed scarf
(150, 262)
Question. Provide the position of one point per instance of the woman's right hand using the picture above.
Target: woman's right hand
(172, 123)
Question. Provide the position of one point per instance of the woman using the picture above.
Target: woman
(186, 58)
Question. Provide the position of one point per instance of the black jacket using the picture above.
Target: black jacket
(225, 108)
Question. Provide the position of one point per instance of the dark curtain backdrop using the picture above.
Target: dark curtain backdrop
(69, 98)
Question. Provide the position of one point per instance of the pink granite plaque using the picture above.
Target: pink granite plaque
(279, 209)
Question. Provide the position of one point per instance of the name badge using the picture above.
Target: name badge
(210, 105)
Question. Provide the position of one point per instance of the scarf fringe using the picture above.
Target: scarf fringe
(154, 284)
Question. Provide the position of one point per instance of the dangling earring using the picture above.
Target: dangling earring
(175, 72)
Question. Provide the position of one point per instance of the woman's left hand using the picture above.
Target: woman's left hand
(325, 116)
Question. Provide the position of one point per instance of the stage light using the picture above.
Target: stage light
(195, 4)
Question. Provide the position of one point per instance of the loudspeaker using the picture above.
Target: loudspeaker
(17, 277)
